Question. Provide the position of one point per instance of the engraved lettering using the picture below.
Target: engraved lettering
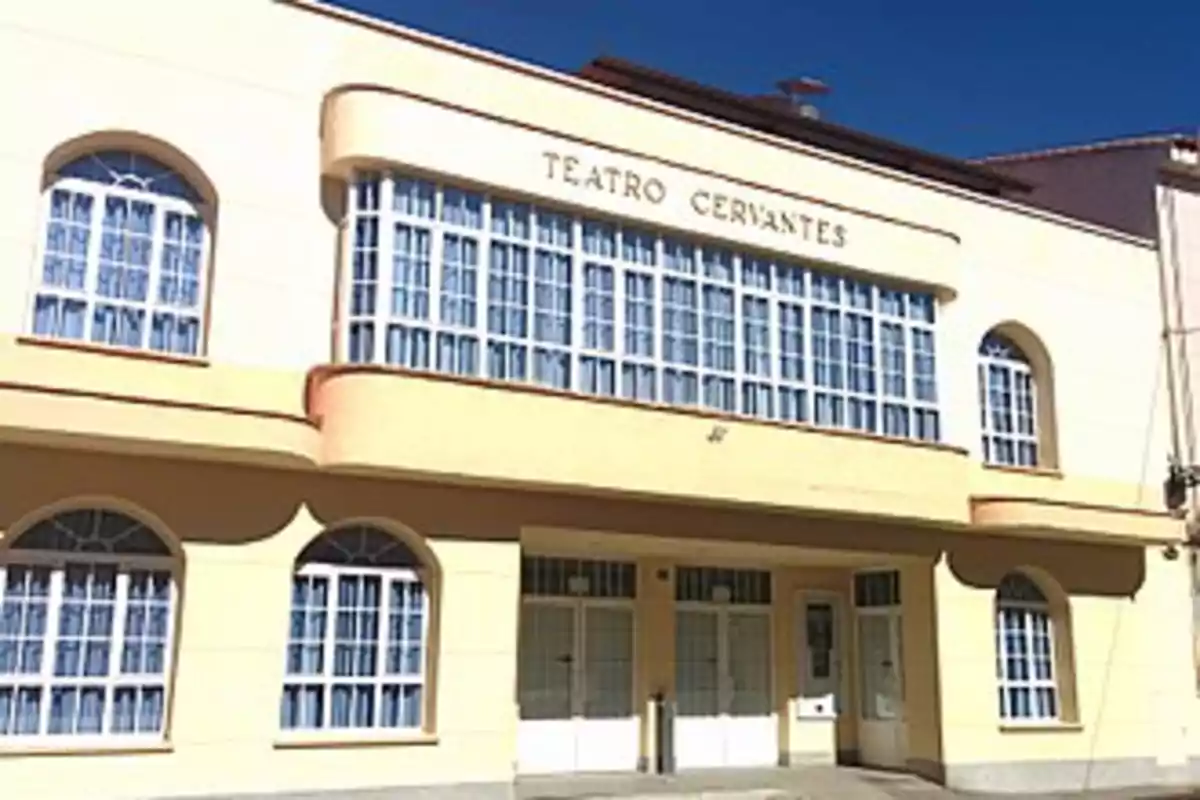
(614, 179)
(823, 231)
(655, 191)
(594, 180)
(778, 217)
(720, 207)
(570, 164)
(633, 185)
(737, 211)
(805, 225)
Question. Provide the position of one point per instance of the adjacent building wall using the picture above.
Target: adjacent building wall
(1110, 187)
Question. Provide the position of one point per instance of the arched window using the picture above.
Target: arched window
(1007, 404)
(87, 610)
(1028, 690)
(123, 256)
(358, 635)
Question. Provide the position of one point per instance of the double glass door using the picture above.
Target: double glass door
(725, 715)
(575, 686)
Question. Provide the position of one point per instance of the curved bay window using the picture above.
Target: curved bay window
(357, 641)
(87, 607)
(1028, 691)
(452, 280)
(1007, 404)
(123, 256)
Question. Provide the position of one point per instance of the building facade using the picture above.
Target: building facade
(378, 412)
(1148, 186)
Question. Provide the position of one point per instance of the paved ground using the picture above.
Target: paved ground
(815, 783)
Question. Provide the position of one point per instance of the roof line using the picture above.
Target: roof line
(753, 113)
(1178, 139)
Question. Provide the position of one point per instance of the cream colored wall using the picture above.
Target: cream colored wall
(250, 120)
(242, 97)
(1130, 621)
(224, 735)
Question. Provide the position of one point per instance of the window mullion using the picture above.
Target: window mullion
(385, 257)
(158, 236)
(483, 275)
(659, 313)
(116, 648)
(382, 642)
(619, 298)
(433, 288)
(349, 247)
(329, 646)
(878, 367)
(575, 323)
(91, 275)
(50, 646)
(737, 316)
(169, 643)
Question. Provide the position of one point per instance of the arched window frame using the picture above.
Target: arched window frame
(85, 220)
(1027, 642)
(1008, 404)
(134, 658)
(313, 629)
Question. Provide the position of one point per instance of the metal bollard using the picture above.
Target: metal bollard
(664, 734)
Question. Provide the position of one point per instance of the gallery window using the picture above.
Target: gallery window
(453, 280)
(87, 627)
(123, 256)
(358, 635)
(1025, 657)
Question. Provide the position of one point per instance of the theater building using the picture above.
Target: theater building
(377, 412)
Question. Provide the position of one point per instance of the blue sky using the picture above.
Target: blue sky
(961, 77)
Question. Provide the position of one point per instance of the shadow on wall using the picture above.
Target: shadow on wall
(228, 505)
(1078, 569)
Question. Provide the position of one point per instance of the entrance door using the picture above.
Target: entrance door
(881, 726)
(725, 715)
(575, 684)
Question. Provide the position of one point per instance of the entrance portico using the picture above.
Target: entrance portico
(768, 655)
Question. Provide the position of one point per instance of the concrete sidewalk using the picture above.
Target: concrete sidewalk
(812, 783)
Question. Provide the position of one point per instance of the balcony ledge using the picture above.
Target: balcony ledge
(511, 434)
(1076, 520)
(125, 423)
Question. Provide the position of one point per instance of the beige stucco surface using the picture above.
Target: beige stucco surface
(271, 114)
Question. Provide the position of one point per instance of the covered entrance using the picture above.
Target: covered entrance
(575, 666)
(723, 669)
(881, 725)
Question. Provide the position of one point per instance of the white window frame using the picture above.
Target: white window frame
(1028, 611)
(618, 357)
(163, 204)
(1016, 367)
(57, 562)
(327, 680)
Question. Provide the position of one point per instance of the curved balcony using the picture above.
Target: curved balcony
(1047, 504)
(672, 188)
(377, 421)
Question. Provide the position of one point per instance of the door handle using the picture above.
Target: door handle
(565, 659)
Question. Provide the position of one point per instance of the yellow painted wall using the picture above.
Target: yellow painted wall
(1130, 617)
(258, 110)
(233, 621)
